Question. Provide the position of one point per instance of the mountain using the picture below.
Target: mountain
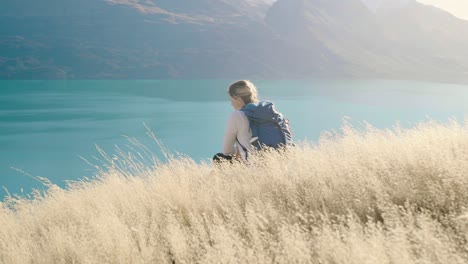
(340, 26)
(121, 39)
(136, 39)
(384, 39)
(379, 5)
(433, 39)
(202, 10)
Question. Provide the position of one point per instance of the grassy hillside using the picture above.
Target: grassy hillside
(373, 196)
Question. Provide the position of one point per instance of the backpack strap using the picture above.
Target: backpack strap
(246, 151)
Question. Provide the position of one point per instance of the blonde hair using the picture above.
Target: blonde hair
(245, 89)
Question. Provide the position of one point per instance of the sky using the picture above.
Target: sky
(457, 7)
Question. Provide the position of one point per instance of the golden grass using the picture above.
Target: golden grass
(372, 196)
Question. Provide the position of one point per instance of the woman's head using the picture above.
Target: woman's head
(242, 92)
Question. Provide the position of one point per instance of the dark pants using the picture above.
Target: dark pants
(220, 157)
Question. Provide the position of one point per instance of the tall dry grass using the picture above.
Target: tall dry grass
(369, 196)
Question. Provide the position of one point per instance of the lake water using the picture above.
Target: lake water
(45, 126)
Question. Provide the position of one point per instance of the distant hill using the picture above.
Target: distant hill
(125, 39)
(109, 39)
(404, 40)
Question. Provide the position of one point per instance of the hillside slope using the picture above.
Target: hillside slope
(357, 197)
(230, 39)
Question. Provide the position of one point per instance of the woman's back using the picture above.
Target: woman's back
(237, 134)
(245, 124)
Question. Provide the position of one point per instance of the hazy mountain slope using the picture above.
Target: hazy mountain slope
(432, 42)
(230, 39)
(61, 39)
(379, 5)
(93, 39)
(202, 10)
(100, 39)
(347, 27)
(396, 40)
(428, 32)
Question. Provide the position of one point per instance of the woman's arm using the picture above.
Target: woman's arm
(230, 135)
(237, 130)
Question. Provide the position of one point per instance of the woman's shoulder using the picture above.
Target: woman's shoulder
(238, 116)
(237, 113)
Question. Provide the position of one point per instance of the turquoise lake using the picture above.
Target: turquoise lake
(46, 126)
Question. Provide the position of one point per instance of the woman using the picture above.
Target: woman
(237, 136)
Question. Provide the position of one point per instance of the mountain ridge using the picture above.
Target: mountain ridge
(120, 39)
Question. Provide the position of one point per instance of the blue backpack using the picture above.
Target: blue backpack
(268, 125)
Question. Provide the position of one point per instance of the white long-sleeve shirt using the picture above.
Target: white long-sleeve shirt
(237, 129)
